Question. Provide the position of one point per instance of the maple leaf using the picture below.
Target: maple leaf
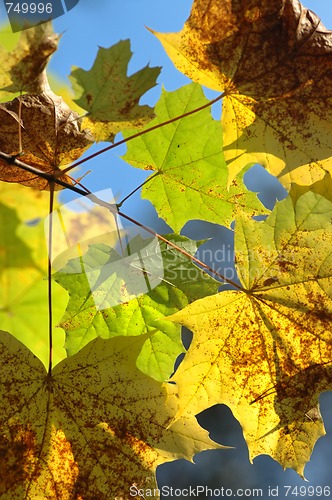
(110, 96)
(51, 137)
(266, 351)
(273, 60)
(92, 428)
(192, 176)
(83, 321)
(23, 68)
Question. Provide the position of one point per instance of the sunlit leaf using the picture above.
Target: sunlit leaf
(92, 428)
(22, 69)
(181, 282)
(14, 252)
(110, 96)
(266, 351)
(190, 174)
(23, 271)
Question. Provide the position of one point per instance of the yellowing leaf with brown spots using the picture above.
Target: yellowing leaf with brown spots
(273, 60)
(92, 428)
(51, 137)
(110, 97)
(23, 67)
(266, 351)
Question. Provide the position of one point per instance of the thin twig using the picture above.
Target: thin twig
(12, 160)
(136, 189)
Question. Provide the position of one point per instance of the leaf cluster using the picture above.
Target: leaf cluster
(115, 407)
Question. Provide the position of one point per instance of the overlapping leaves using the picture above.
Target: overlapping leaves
(52, 135)
(23, 269)
(266, 351)
(273, 60)
(96, 425)
(180, 282)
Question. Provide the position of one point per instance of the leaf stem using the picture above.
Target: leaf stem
(49, 278)
(136, 189)
(181, 250)
(142, 132)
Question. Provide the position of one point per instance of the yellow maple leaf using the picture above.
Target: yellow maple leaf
(273, 61)
(92, 429)
(266, 351)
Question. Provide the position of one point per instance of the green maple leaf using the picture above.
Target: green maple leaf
(92, 428)
(182, 283)
(187, 156)
(109, 95)
(266, 351)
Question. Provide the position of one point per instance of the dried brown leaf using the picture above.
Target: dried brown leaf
(51, 137)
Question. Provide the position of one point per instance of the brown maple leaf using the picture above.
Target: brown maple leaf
(51, 137)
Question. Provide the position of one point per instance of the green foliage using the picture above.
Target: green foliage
(181, 283)
(191, 175)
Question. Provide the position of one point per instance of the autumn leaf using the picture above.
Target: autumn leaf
(110, 96)
(51, 137)
(92, 428)
(266, 351)
(23, 68)
(322, 187)
(273, 61)
(83, 321)
(190, 175)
